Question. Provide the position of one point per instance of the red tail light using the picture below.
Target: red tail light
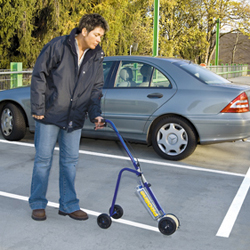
(239, 105)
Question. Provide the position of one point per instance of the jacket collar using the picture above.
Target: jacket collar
(89, 53)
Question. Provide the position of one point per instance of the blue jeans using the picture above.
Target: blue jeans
(46, 137)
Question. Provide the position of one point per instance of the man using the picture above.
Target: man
(66, 84)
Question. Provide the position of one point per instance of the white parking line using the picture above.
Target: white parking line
(233, 211)
(90, 212)
(169, 164)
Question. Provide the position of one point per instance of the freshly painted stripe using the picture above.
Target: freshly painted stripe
(169, 164)
(14, 196)
(90, 212)
(18, 143)
(233, 211)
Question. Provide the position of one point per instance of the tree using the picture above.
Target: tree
(180, 33)
(27, 25)
(128, 24)
(232, 15)
(186, 27)
(16, 28)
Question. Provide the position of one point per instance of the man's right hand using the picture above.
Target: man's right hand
(38, 117)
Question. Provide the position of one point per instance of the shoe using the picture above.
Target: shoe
(77, 215)
(38, 214)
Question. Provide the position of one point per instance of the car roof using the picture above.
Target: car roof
(146, 58)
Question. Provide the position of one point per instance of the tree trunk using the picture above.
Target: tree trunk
(235, 46)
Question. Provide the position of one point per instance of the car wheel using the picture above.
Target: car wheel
(174, 138)
(13, 126)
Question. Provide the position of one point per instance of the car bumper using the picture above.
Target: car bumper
(222, 127)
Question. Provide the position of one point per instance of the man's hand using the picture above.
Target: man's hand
(38, 117)
(99, 124)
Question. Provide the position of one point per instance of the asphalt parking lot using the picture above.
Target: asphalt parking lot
(208, 192)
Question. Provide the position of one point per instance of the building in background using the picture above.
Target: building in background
(234, 48)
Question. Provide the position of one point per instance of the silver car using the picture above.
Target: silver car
(170, 104)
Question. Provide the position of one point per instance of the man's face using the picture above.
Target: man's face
(93, 38)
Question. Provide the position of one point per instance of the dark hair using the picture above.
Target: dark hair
(91, 21)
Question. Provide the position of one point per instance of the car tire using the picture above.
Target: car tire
(13, 126)
(174, 138)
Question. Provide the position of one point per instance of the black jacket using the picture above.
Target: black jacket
(61, 92)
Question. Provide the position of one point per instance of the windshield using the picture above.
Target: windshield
(203, 74)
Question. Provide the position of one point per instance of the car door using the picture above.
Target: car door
(137, 91)
(108, 71)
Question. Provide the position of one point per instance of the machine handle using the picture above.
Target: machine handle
(103, 121)
(136, 165)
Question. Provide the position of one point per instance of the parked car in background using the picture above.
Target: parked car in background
(170, 104)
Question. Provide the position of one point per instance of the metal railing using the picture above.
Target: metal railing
(12, 79)
(230, 71)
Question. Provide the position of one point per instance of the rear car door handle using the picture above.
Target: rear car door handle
(155, 95)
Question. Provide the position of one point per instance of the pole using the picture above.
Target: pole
(16, 80)
(217, 41)
(131, 46)
(156, 27)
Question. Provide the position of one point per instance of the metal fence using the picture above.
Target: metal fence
(230, 71)
(11, 79)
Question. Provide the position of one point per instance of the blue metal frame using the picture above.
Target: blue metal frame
(111, 213)
(137, 171)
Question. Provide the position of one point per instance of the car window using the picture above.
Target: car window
(106, 70)
(159, 80)
(203, 74)
(136, 75)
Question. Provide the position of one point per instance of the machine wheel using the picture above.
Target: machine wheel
(177, 222)
(118, 212)
(13, 126)
(104, 221)
(168, 224)
(174, 138)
